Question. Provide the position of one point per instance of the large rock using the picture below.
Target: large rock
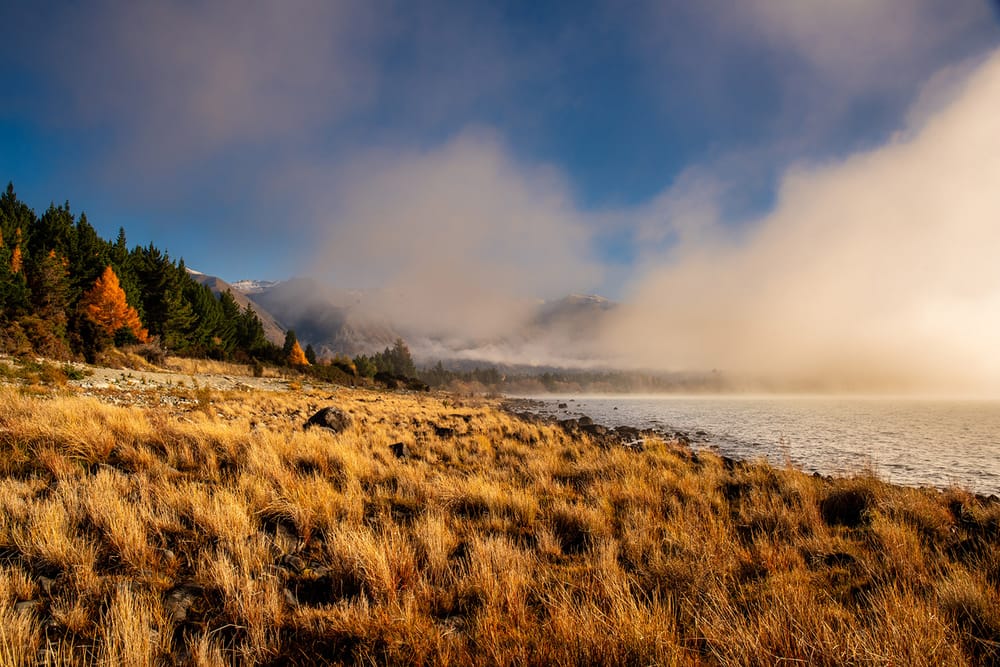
(594, 429)
(330, 418)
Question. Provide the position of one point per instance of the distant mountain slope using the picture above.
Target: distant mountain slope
(332, 320)
(337, 321)
(273, 330)
(577, 315)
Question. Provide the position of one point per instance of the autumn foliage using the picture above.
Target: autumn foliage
(104, 304)
(296, 357)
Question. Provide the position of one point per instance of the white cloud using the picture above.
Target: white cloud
(464, 235)
(178, 81)
(877, 271)
(862, 43)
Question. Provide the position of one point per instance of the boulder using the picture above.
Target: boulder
(594, 429)
(330, 418)
(569, 425)
(400, 450)
(530, 417)
(628, 433)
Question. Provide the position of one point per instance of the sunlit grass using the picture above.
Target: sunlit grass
(178, 533)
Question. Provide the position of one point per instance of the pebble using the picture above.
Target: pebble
(27, 606)
(46, 585)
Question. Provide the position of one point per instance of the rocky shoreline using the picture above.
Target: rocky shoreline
(630, 437)
(633, 438)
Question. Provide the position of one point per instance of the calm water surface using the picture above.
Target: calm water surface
(907, 441)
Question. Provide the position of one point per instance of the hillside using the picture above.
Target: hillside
(332, 320)
(273, 330)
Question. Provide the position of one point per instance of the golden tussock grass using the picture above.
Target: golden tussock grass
(211, 529)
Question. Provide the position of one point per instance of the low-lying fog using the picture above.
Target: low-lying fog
(875, 272)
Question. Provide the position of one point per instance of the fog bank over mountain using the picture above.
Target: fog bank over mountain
(875, 272)
(556, 333)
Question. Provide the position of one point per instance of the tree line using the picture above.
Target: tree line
(65, 292)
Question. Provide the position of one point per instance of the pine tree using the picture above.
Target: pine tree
(121, 262)
(310, 354)
(153, 273)
(365, 365)
(179, 317)
(402, 362)
(227, 332)
(89, 257)
(105, 305)
(250, 332)
(49, 281)
(55, 230)
(13, 286)
(16, 217)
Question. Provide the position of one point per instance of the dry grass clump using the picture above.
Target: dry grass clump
(215, 531)
(193, 366)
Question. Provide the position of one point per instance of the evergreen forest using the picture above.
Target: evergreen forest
(67, 293)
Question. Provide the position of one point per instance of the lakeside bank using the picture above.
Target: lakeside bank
(213, 529)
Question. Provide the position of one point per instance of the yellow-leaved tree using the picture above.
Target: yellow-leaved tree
(296, 357)
(104, 304)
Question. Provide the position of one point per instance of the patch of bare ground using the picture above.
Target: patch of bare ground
(202, 525)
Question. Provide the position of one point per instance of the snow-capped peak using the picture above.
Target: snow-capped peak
(253, 286)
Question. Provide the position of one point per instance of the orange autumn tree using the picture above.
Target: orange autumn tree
(296, 357)
(104, 304)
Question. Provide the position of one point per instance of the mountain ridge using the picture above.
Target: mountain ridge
(274, 331)
(556, 332)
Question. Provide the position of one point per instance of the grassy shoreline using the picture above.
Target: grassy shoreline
(183, 525)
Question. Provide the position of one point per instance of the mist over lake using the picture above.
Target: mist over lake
(916, 442)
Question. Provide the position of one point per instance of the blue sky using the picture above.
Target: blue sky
(269, 140)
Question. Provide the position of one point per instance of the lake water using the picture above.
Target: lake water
(916, 442)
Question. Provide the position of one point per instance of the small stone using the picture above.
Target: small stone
(46, 585)
(27, 607)
(292, 562)
(635, 445)
(400, 450)
(290, 598)
(178, 602)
